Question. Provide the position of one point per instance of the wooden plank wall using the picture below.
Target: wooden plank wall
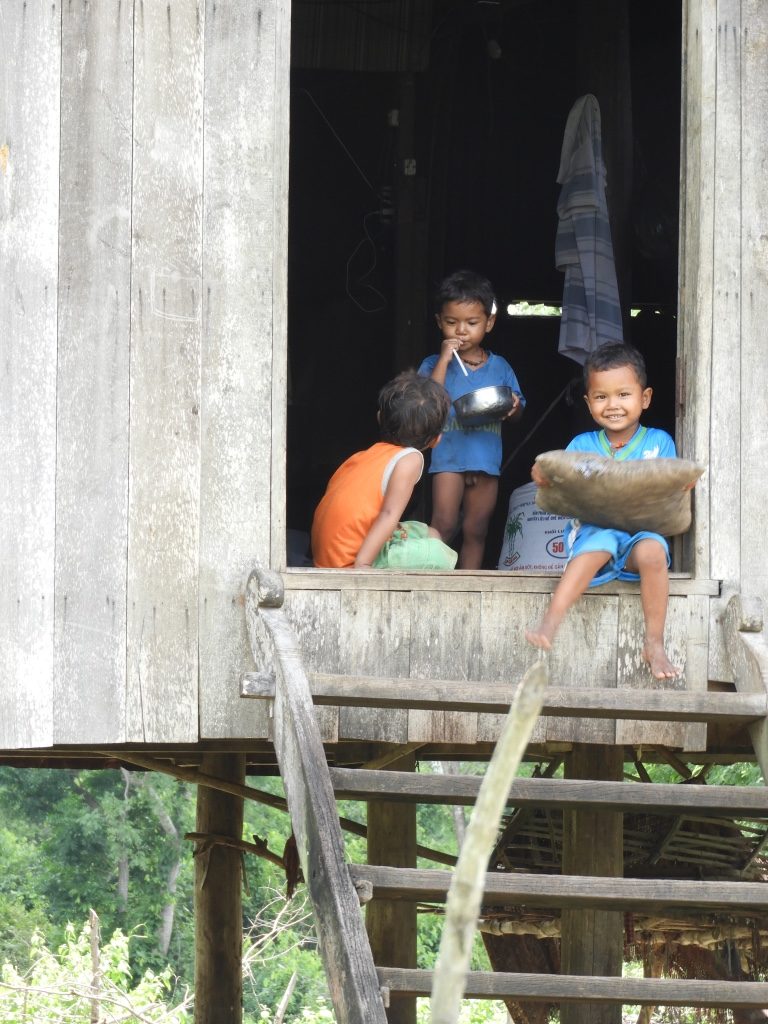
(724, 285)
(447, 628)
(752, 405)
(30, 47)
(143, 163)
(166, 327)
(92, 381)
(243, 374)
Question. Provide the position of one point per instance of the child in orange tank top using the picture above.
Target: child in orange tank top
(358, 521)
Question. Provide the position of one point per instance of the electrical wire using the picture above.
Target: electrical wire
(360, 280)
(339, 139)
(534, 428)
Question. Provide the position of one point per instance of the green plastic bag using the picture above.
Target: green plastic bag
(411, 548)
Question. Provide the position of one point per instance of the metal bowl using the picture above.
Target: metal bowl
(486, 405)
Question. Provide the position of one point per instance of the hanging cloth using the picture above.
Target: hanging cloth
(583, 248)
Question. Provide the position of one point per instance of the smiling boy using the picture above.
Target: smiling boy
(617, 395)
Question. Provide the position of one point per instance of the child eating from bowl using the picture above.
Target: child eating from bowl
(357, 523)
(465, 468)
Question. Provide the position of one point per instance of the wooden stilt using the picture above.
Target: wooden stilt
(391, 924)
(592, 940)
(218, 901)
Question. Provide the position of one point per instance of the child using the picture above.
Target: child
(615, 382)
(357, 523)
(466, 466)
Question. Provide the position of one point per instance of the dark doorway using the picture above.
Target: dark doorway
(426, 136)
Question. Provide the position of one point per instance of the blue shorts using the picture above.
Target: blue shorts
(583, 537)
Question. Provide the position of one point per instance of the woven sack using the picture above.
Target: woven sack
(635, 495)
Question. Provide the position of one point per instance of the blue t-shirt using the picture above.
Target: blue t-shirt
(470, 448)
(652, 444)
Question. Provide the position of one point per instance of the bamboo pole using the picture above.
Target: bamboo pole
(465, 895)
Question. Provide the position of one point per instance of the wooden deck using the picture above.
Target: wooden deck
(470, 626)
(584, 894)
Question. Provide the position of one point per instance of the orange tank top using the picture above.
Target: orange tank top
(352, 500)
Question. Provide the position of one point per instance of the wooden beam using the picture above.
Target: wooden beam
(592, 937)
(637, 894)
(218, 900)
(747, 648)
(394, 756)
(680, 584)
(343, 943)
(657, 797)
(199, 778)
(495, 698)
(391, 924)
(665, 754)
(569, 988)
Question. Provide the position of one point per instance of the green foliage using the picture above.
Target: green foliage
(280, 942)
(473, 1011)
(66, 836)
(81, 832)
(22, 913)
(740, 773)
(67, 986)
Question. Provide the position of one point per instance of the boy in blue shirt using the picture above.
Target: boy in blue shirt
(466, 464)
(617, 396)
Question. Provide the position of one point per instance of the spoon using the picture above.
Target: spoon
(461, 364)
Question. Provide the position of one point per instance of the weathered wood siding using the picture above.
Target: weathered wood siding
(245, 211)
(92, 373)
(459, 626)
(143, 210)
(30, 54)
(143, 235)
(724, 288)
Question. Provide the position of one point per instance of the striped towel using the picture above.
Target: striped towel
(583, 248)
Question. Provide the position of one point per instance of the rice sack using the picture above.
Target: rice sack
(634, 495)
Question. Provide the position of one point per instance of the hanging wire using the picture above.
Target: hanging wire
(359, 281)
(339, 139)
(534, 428)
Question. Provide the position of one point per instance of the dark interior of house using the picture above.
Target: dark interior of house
(426, 137)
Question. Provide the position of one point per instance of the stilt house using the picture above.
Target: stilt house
(220, 223)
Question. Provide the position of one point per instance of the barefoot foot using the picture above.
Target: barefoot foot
(658, 662)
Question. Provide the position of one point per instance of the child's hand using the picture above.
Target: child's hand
(515, 408)
(448, 347)
(538, 477)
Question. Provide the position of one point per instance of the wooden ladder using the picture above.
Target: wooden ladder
(359, 989)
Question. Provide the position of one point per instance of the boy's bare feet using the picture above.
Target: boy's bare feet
(658, 662)
(541, 636)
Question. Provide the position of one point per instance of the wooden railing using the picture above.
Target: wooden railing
(342, 940)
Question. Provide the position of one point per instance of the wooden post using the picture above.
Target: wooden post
(218, 903)
(391, 924)
(593, 940)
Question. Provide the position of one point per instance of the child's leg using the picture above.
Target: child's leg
(649, 559)
(479, 503)
(577, 576)
(447, 492)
